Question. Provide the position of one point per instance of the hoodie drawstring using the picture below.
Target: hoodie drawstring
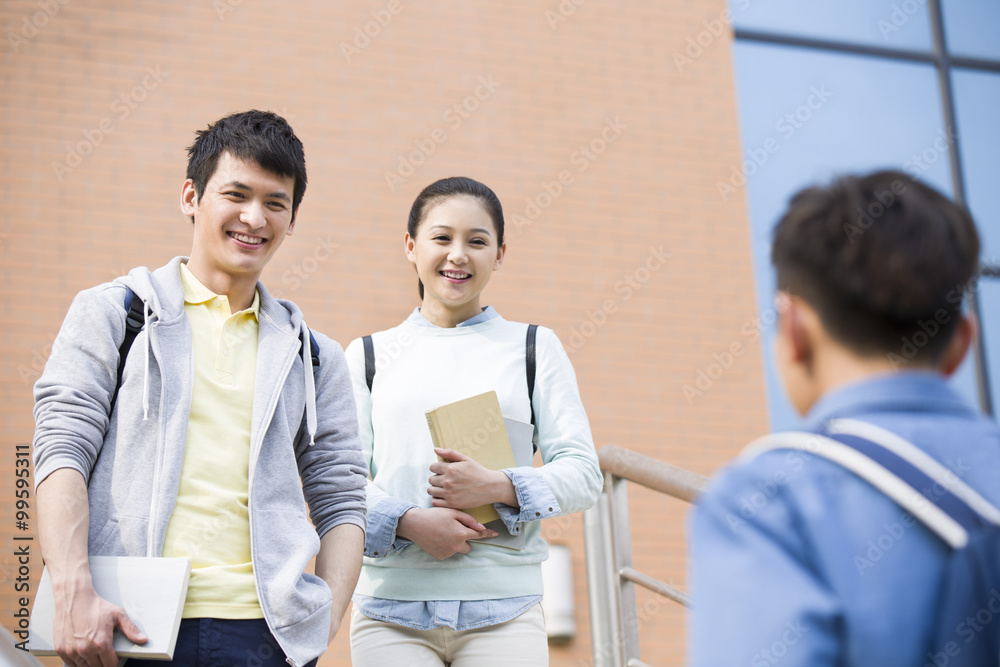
(310, 383)
(146, 312)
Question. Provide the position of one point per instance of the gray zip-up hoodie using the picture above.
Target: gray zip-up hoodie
(304, 446)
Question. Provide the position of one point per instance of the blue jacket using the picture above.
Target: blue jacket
(794, 560)
(133, 460)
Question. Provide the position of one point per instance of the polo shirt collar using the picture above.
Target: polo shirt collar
(196, 293)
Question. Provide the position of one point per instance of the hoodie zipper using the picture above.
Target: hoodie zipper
(255, 447)
(158, 460)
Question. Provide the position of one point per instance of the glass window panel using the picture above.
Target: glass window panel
(806, 116)
(977, 98)
(898, 24)
(971, 26)
(989, 306)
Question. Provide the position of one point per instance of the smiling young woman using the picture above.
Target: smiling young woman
(455, 252)
(427, 595)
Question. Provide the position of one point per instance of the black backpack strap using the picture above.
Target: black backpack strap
(314, 349)
(369, 361)
(529, 368)
(134, 321)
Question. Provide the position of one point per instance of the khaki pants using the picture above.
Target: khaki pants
(520, 641)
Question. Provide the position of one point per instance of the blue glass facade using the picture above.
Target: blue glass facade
(868, 95)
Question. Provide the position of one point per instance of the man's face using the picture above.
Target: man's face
(240, 221)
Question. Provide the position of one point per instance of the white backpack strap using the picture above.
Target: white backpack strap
(919, 459)
(911, 500)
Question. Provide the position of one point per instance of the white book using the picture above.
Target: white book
(150, 590)
(520, 435)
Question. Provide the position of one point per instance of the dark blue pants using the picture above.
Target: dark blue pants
(214, 642)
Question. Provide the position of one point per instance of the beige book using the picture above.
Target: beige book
(520, 435)
(150, 590)
(475, 427)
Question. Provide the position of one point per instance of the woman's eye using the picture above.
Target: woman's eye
(479, 242)
(441, 238)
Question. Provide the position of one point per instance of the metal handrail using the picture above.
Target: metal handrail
(655, 585)
(611, 579)
(651, 473)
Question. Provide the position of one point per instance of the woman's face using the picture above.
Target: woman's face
(455, 251)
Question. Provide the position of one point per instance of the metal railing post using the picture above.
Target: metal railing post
(622, 531)
(605, 602)
(611, 579)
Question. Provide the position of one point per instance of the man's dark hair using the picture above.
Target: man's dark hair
(261, 136)
(880, 257)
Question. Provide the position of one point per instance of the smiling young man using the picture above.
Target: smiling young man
(794, 560)
(233, 421)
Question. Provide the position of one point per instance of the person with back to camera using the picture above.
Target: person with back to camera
(794, 559)
(427, 595)
(230, 422)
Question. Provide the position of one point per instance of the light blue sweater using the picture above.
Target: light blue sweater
(421, 368)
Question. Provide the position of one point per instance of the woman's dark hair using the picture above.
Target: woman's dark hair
(884, 260)
(261, 136)
(455, 186)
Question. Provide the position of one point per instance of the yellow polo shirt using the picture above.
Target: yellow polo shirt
(210, 523)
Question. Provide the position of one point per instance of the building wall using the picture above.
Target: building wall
(99, 102)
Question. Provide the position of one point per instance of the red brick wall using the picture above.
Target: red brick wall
(99, 103)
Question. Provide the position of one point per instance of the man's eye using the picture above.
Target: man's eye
(234, 194)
